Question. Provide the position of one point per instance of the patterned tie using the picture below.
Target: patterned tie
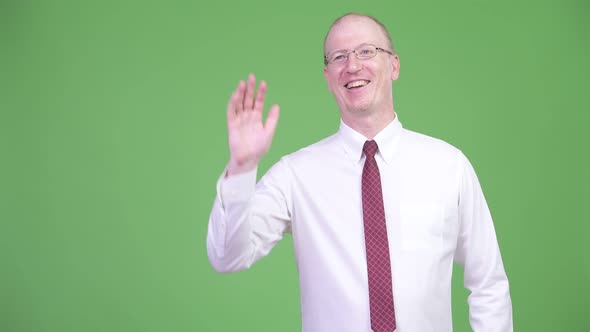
(377, 246)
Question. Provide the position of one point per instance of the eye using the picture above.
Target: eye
(366, 52)
(338, 57)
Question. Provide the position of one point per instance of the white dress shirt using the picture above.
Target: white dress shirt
(435, 211)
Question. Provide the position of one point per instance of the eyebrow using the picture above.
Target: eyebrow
(346, 49)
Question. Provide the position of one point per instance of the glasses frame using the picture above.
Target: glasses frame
(378, 49)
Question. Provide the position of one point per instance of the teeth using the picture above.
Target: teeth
(355, 84)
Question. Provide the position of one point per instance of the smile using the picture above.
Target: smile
(356, 84)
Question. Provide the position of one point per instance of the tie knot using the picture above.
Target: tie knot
(370, 148)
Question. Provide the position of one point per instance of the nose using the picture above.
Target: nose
(353, 64)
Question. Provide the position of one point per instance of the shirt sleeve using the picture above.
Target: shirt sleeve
(248, 219)
(490, 306)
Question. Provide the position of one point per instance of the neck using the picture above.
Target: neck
(369, 125)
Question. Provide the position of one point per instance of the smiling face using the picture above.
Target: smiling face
(360, 87)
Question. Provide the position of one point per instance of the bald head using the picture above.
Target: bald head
(357, 16)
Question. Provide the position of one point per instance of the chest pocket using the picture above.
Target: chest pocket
(422, 227)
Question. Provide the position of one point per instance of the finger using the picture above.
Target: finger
(271, 121)
(231, 106)
(249, 93)
(260, 95)
(239, 101)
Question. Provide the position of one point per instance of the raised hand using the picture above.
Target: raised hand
(249, 138)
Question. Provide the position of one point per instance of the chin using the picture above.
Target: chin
(359, 108)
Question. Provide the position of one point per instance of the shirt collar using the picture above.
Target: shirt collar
(386, 139)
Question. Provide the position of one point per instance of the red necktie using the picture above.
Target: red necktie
(377, 246)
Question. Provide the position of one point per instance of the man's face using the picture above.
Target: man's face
(360, 85)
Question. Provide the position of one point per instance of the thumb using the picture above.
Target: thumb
(271, 121)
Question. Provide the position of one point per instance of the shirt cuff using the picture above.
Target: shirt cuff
(236, 188)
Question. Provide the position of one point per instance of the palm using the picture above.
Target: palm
(249, 138)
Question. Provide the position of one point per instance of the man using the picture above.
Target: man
(378, 213)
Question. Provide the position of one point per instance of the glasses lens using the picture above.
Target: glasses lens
(337, 57)
(366, 51)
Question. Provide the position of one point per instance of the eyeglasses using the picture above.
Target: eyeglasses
(363, 52)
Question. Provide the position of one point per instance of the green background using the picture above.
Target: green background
(113, 136)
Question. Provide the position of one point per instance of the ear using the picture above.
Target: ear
(326, 77)
(394, 67)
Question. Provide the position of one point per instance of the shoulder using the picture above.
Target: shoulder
(318, 151)
(418, 144)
